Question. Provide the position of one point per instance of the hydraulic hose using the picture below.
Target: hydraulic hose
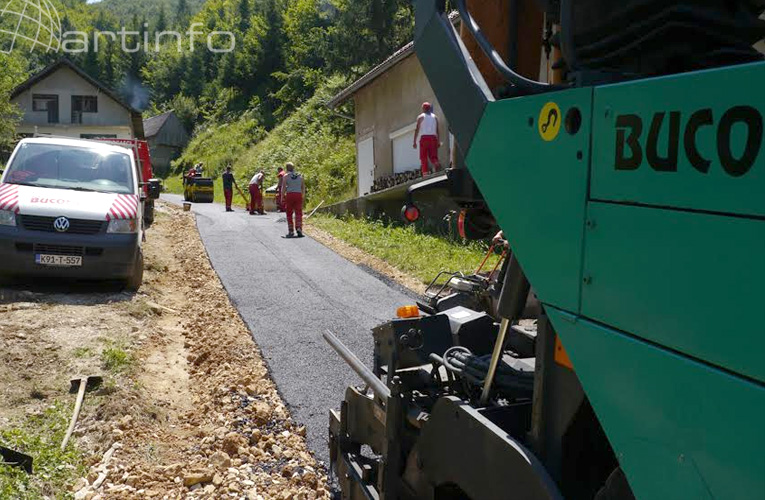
(519, 81)
(567, 34)
(462, 363)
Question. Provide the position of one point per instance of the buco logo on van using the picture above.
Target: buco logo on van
(631, 151)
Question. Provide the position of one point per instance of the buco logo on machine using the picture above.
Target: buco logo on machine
(737, 137)
(735, 155)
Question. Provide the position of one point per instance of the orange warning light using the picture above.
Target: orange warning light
(561, 356)
(408, 312)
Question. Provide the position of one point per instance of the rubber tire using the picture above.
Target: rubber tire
(148, 214)
(134, 282)
(616, 487)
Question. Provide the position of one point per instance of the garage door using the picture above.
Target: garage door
(366, 165)
(405, 157)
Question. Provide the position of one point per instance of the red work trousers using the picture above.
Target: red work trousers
(429, 151)
(229, 194)
(256, 199)
(294, 205)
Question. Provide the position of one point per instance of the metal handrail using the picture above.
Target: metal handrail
(517, 80)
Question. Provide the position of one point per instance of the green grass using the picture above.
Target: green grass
(82, 352)
(116, 359)
(54, 471)
(420, 255)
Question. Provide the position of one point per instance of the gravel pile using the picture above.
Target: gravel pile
(232, 437)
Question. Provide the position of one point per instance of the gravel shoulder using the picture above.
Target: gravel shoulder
(188, 409)
(289, 291)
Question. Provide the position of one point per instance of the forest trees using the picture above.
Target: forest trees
(285, 50)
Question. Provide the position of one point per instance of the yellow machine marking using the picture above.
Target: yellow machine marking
(549, 121)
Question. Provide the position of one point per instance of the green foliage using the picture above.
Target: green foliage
(116, 359)
(320, 144)
(277, 79)
(421, 255)
(220, 145)
(150, 9)
(14, 72)
(55, 471)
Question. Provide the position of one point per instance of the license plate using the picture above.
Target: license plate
(58, 260)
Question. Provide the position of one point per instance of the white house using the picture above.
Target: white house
(388, 100)
(63, 100)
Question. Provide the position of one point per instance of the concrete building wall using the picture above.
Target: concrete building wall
(162, 156)
(172, 133)
(391, 102)
(112, 118)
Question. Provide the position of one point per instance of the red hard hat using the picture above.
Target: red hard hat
(426, 106)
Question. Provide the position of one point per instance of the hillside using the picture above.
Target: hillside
(320, 144)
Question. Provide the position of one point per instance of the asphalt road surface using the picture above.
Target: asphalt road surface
(289, 292)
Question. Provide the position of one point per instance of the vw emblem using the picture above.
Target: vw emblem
(61, 224)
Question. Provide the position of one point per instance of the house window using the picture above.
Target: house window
(46, 102)
(83, 104)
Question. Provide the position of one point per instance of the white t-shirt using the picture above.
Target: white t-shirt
(257, 179)
(428, 125)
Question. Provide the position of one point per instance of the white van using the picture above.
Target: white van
(72, 208)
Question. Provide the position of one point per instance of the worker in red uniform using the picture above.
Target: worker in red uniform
(293, 192)
(279, 205)
(256, 193)
(430, 138)
(189, 175)
(228, 187)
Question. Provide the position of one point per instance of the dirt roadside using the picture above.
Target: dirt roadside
(188, 409)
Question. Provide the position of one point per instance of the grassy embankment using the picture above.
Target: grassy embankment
(318, 142)
(420, 255)
(54, 470)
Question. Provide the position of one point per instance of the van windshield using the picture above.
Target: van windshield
(71, 167)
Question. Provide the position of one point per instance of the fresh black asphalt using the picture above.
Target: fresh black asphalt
(289, 291)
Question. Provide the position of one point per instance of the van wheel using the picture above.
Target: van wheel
(134, 282)
(148, 214)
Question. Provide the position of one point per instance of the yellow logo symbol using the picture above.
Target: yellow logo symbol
(549, 121)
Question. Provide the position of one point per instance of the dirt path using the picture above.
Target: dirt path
(188, 411)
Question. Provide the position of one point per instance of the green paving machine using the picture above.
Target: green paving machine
(628, 175)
